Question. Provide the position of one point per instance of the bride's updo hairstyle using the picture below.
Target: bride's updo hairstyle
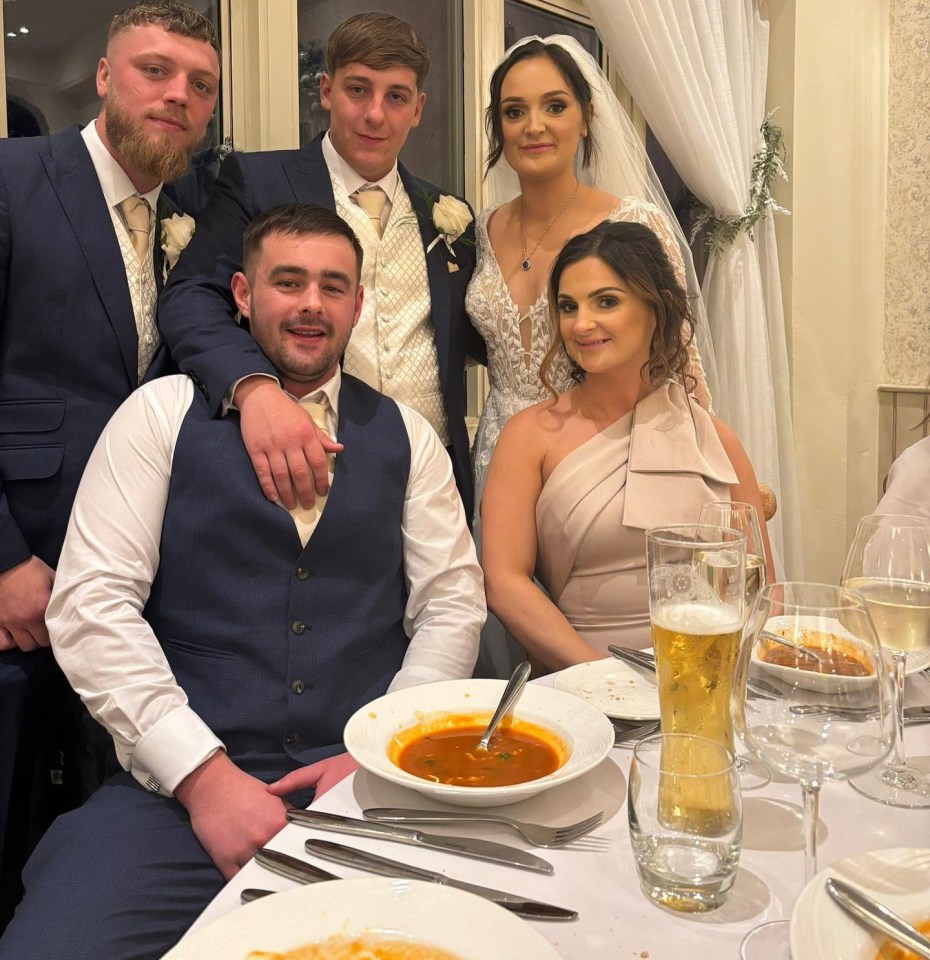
(635, 255)
(571, 73)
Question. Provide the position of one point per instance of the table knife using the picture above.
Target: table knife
(523, 907)
(872, 913)
(291, 867)
(466, 846)
(254, 893)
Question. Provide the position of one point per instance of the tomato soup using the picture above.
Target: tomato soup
(447, 751)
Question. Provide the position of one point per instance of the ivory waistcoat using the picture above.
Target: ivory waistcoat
(393, 348)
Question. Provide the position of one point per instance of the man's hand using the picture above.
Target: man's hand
(24, 593)
(322, 776)
(232, 814)
(287, 450)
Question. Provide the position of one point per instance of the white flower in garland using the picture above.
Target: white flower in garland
(176, 233)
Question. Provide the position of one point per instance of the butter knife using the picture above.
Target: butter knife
(872, 913)
(466, 846)
(523, 907)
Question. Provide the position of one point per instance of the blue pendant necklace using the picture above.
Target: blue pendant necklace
(526, 262)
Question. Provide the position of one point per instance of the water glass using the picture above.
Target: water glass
(685, 819)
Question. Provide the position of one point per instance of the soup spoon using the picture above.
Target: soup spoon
(512, 691)
(797, 647)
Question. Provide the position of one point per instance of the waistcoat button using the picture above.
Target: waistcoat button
(297, 686)
(291, 739)
(298, 626)
(302, 573)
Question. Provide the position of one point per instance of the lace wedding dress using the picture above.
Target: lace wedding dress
(513, 368)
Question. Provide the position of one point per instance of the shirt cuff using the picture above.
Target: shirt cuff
(178, 744)
(228, 404)
(414, 676)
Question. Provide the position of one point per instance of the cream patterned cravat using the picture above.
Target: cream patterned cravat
(137, 215)
(305, 518)
(372, 201)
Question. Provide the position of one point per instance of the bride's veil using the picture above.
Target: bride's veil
(620, 166)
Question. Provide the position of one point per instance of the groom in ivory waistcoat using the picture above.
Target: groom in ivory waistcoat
(413, 337)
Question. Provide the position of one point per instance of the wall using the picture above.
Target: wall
(829, 78)
(907, 233)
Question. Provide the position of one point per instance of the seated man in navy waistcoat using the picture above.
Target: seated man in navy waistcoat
(222, 641)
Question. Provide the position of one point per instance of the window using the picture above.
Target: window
(523, 20)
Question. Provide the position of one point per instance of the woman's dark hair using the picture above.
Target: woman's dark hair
(573, 76)
(635, 254)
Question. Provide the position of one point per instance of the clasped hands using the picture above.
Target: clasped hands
(287, 450)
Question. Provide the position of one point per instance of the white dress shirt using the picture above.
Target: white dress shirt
(907, 489)
(351, 181)
(110, 558)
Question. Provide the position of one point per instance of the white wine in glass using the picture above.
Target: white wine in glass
(743, 517)
(889, 564)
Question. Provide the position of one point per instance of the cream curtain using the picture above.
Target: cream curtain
(697, 70)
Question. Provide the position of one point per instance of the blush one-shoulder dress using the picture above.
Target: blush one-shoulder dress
(657, 465)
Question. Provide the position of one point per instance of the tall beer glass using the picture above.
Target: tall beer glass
(697, 581)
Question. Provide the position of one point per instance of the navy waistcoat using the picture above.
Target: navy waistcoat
(277, 645)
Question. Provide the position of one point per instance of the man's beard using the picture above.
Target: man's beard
(153, 154)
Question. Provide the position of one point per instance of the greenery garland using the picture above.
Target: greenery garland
(767, 165)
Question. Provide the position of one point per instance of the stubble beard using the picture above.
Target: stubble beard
(301, 370)
(155, 155)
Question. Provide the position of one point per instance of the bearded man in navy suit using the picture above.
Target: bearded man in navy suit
(78, 282)
(413, 337)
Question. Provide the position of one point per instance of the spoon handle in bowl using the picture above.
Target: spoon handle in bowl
(513, 690)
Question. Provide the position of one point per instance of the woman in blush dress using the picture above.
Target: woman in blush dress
(563, 158)
(577, 479)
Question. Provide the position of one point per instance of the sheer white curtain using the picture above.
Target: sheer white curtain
(697, 70)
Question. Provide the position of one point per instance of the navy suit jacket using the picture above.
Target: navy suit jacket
(197, 308)
(68, 341)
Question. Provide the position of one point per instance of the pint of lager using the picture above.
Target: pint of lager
(696, 647)
(697, 584)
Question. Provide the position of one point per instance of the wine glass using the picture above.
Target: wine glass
(889, 564)
(804, 727)
(735, 515)
(743, 517)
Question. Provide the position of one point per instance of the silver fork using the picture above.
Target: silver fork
(536, 833)
(624, 735)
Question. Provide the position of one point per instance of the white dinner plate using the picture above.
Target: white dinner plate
(462, 924)
(822, 930)
(613, 687)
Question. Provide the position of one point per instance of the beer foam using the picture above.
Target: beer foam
(698, 618)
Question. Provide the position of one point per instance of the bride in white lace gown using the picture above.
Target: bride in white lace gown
(564, 150)
(549, 103)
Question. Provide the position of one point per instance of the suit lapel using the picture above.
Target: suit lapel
(74, 179)
(440, 290)
(308, 175)
(167, 206)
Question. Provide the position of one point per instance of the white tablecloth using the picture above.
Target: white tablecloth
(600, 882)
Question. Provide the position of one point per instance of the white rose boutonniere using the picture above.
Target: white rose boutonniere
(451, 218)
(176, 233)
